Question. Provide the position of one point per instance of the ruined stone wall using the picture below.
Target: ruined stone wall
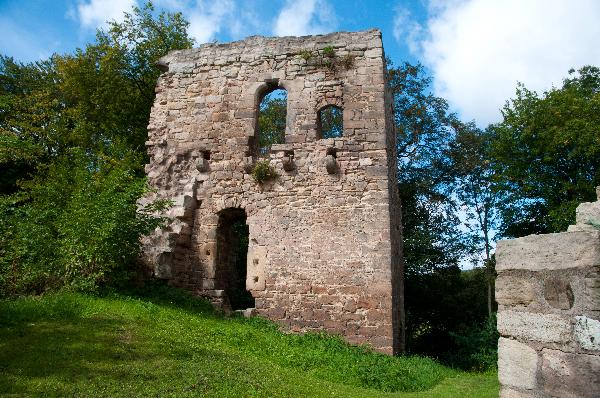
(548, 293)
(325, 243)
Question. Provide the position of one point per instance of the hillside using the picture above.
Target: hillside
(170, 345)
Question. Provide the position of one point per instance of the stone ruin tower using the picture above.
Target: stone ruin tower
(323, 245)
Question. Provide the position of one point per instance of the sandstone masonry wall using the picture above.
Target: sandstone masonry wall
(325, 248)
(548, 294)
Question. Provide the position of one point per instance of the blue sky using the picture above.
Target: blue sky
(35, 29)
(476, 50)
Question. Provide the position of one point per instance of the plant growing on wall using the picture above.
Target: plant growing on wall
(305, 54)
(262, 171)
(328, 52)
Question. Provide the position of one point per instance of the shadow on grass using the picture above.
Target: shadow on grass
(159, 293)
(78, 355)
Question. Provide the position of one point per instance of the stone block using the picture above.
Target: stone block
(255, 276)
(513, 290)
(545, 328)
(588, 212)
(558, 293)
(331, 164)
(511, 393)
(202, 165)
(552, 251)
(587, 333)
(569, 375)
(592, 291)
(517, 364)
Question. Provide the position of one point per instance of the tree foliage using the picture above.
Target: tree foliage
(442, 302)
(73, 226)
(473, 188)
(272, 120)
(72, 132)
(425, 130)
(330, 121)
(442, 306)
(546, 154)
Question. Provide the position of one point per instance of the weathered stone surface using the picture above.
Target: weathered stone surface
(587, 333)
(514, 290)
(558, 293)
(592, 290)
(331, 164)
(588, 212)
(517, 364)
(202, 165)
(506, 392)
(557, 276)
(546, 328)
(255, 277)
(569, 375)
(327, 246)
(551, 251)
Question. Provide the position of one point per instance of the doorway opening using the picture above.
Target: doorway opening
(232, 254)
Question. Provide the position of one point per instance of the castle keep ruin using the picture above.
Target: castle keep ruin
(323, 248)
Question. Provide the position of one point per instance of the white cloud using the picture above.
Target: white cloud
(208, 17)
(95, 13)
(477, 50)
(306, 17)
(247, 22)
(406, 29)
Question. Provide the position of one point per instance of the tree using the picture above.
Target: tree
(474, 189)
(425, 129)
(330, 123)
(441, 301)
(31, 126)
(271, 120)
(546, 154)
(109, 86)
(72, 130)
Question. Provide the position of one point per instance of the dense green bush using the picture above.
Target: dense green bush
(442, 306)
(72, 132)
(476, 347)
(75, 225)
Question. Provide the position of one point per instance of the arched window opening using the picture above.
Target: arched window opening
(330, 122)
(232, 254)
(272, 114)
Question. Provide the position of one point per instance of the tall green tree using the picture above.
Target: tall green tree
(474, 189)
(72, 131)
(425, 129)
(32, 124)
(436, 291)
(109, 86)
(546, 154)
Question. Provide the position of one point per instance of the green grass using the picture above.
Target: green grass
(169, 345)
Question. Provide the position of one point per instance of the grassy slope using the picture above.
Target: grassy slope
(76, 345)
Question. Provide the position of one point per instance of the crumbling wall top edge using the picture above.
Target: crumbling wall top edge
(371, 38)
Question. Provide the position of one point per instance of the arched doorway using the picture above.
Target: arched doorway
(232, 253)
